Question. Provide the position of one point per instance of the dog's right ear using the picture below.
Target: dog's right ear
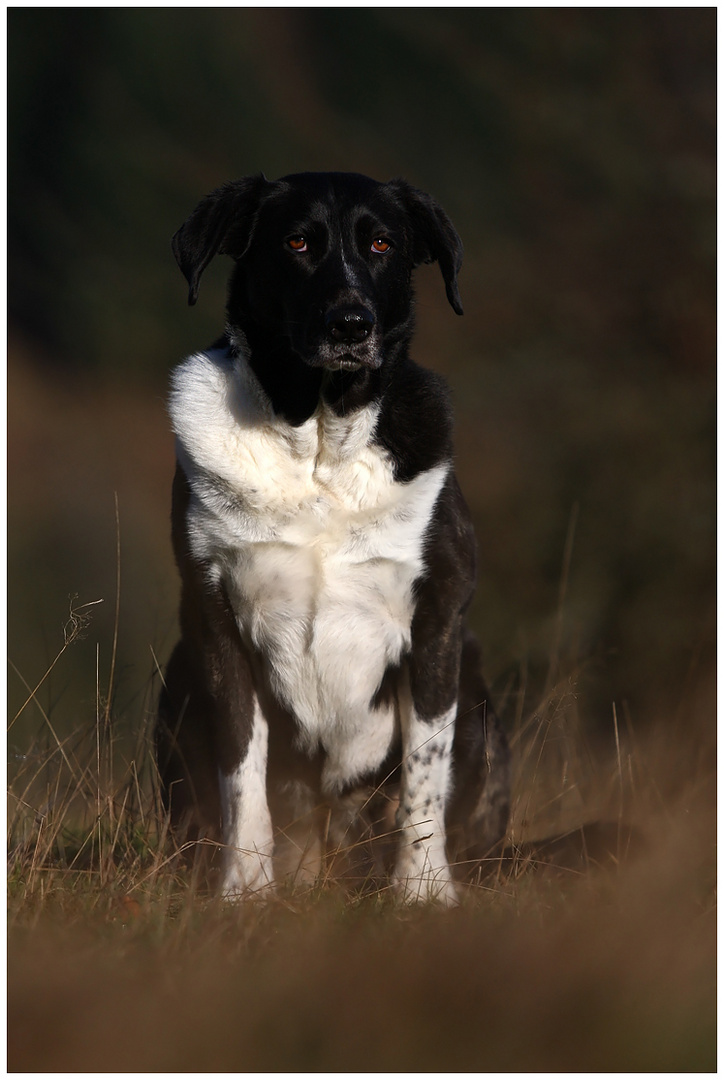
(220, 225)
(435, 237)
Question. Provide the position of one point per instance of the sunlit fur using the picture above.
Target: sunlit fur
(316, 545)
(325, 549)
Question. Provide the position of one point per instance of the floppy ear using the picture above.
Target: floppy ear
(434, 237)
(220, 224)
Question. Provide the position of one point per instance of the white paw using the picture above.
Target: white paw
(246, 876)
(419, 881)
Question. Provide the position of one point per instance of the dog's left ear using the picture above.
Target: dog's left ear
(220, 225)
(434, 237)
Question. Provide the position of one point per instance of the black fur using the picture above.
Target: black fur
(308, 340)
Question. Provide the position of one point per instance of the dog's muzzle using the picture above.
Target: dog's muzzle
(349, 338)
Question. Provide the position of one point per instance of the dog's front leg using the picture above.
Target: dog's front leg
(422, 872)
(241, 739)
(428, 725)
(247, 861)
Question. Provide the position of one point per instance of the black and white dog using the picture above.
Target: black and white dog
(325, 549)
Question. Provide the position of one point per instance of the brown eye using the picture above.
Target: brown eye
(380, 245)
(297, 243)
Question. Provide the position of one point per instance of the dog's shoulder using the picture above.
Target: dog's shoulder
(415, 424)
(211, 400)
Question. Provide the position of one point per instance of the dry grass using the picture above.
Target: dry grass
(119, 962)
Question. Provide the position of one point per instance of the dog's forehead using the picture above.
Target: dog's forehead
(330, 196)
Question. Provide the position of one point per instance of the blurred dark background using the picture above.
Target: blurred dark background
(574, 150)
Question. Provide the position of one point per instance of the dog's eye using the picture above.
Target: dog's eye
(297, 243)
(381, 245)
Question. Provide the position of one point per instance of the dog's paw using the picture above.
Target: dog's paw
(247, 876)
(431, 889)
(235, 894)
(419, 881)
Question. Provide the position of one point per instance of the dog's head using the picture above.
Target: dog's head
(323, 260)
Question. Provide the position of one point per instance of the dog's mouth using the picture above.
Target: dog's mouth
(348, 357)
(345, 362)
(350, 360)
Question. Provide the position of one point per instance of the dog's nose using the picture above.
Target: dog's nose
(349, 325)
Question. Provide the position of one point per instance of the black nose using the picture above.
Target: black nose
(349, 324)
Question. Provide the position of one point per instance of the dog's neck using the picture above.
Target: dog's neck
(295, 389)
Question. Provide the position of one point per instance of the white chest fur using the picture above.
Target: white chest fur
(315, 543)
